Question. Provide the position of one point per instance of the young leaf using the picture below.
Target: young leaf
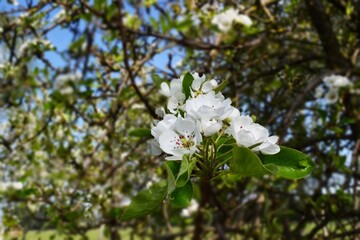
(157, 80)
(291, 163)
(186, 84)
(182, 196)
(145, 202)
(247, 163)
(172, 169)
(183, 177)
(221, 86)
(140, 132)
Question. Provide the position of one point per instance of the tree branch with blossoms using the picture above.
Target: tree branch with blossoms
(203, 138)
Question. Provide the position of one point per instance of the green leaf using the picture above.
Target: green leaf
(172, 169)
(221, 86)
(166, 23)
(183, 177)
(186, 84)
(145, 202)
(140, 132)
(182, 196)
(247, 163)
(184, 25)
(157, 80)
(291, 163)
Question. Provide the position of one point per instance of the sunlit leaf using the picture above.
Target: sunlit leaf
(247, 163)
(145, 202)
(290, 163)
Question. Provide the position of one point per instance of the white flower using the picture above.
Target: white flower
(10, 185)
(243, 19)
(34, 42)
(225, 19)
(181, 140)
(1, 30)
(332, 96)
(174, 91)
(176, 102)
(193, 207)
(200, 86)
(208, 106)
(165, 89)
(175, 94)
(168, 123)
(62, 81)
(175, 86)
(269, 146)
(240, 131)
(125, 201)
(336, 81)
(247, 134)
(210, 126)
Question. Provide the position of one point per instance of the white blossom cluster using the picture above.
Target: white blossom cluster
(62, 81)
(224, 20)
(333, 84)
(28, 44)
(205, 113)
(12, 185)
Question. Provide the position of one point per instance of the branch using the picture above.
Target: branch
(323, 26)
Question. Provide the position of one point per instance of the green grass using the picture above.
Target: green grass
(52, 234)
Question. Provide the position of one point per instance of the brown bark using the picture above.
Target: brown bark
(322, 23)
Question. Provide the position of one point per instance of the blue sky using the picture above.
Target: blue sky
(61, 38)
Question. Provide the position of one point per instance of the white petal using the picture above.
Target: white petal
(196, 84)
(243, 19)
(210, 127)
(207, 87)
(336, 81)
(176, 85)
(233, 114)
(244, 138)
(164, 89)
(168, 123)
(173, 104)
(185, 127)
(244, 120)
(260, 132)
(272, 139)
(155, 148)
(180, 96)
(241, 123)
(175, 157)
(168, 141)
(268, 148)
(332, 96)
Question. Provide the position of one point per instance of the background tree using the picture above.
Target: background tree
(76, 80)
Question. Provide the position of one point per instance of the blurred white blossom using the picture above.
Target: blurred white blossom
(192, 208)
(225, 20)
(336, 81)
(333, 84)
(37, 42)
(62, 81)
